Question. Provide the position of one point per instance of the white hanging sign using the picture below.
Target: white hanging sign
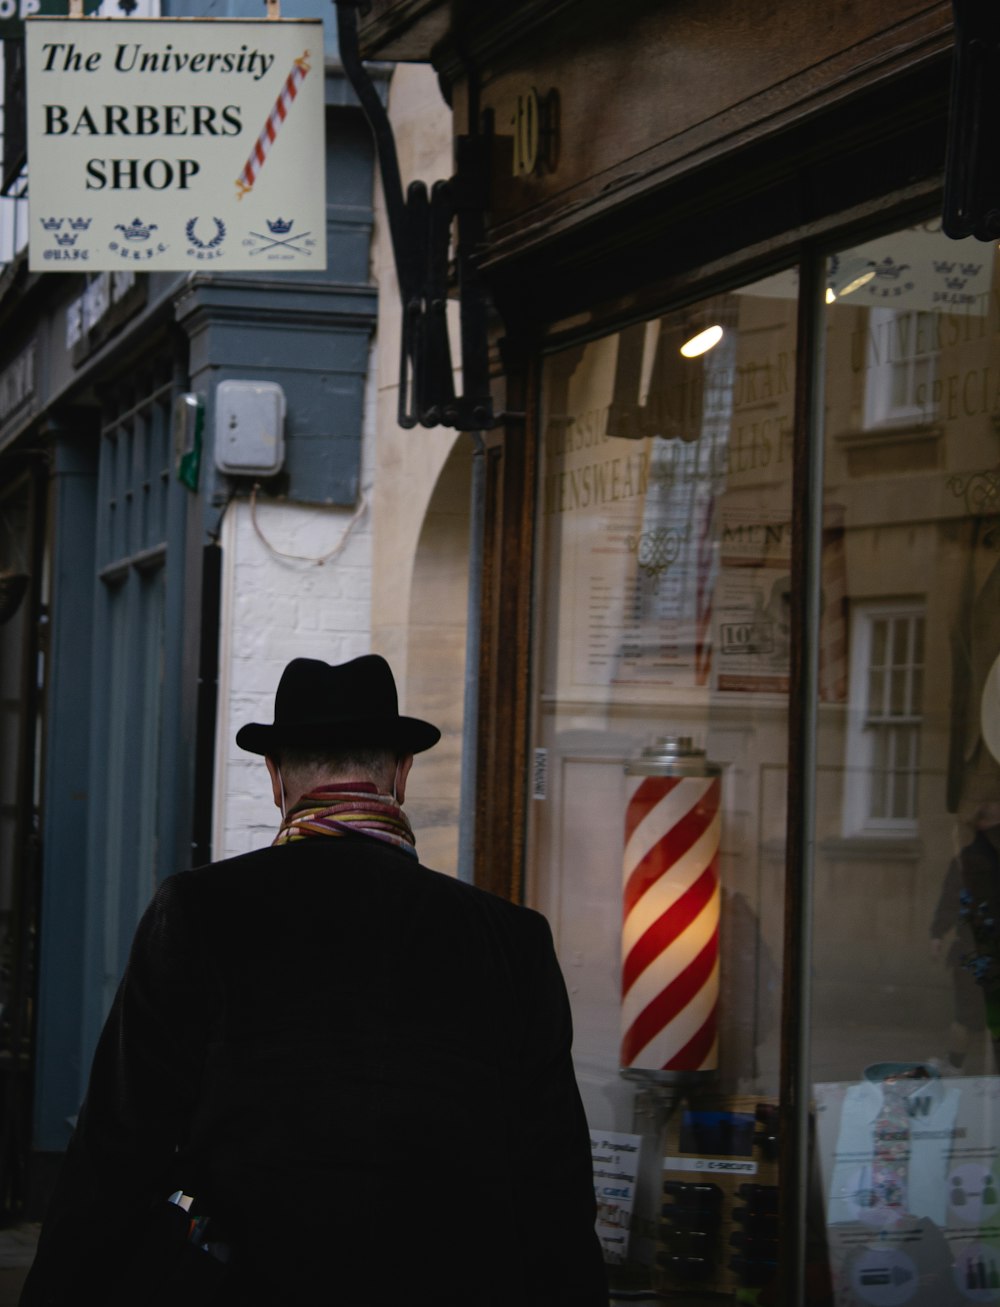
(176, 144)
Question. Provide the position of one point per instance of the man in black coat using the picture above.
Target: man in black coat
(359, 1068)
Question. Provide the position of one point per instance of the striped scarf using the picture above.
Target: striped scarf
(354, 808)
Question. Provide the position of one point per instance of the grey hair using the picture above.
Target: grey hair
(304, 766)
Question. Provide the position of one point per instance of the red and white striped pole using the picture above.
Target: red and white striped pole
(670, 926)
(272, 125)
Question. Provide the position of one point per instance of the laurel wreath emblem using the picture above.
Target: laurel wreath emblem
(217, 239)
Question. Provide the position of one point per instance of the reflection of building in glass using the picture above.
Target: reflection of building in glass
(886, 711)
(899, 382)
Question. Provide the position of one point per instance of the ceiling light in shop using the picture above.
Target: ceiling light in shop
(702, 343)
(862, 280)
(848, 278)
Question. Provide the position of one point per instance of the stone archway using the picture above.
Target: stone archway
(436, 652)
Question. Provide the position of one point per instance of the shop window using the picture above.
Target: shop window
(664, 646)
(904, 972)
(887, 676)
(660, 733)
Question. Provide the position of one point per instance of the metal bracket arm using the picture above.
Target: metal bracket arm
(972, 166)
(420, 228)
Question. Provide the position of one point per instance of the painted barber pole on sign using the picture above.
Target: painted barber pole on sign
(272, 125)
(670, 927)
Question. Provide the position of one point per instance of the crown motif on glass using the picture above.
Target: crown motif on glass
(79, 224)
(66, 238)
(947, 266)
(279, 227)
(52, 224)
(889, 269)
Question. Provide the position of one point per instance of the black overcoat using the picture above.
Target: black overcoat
(361, 1068)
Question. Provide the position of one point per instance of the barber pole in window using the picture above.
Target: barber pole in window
(670, 929)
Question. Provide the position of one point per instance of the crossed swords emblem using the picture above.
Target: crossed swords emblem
(272, 242)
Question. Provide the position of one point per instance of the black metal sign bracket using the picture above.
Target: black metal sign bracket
(420, 227)
(972, 166)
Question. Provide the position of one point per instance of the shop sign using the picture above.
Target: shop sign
(13, 13)
(615, 1158)
(921, 1224)
(906, 270)
(176, 144)
(12, 16)
(17, 382)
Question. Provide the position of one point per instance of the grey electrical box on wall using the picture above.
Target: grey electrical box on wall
(249, 428)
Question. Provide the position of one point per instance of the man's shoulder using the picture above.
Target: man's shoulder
(496, 922)
(208, 875)
(482, 900)
(357, 866)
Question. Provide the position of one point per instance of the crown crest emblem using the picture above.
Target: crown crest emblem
(79, 224)
(66, 238)
(279, 227)
(890, 270)
(136, 230)
(52, 224)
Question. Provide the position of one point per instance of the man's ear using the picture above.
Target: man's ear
(403, 766)
(272, 768)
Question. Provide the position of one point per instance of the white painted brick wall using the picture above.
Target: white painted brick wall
(275, 609)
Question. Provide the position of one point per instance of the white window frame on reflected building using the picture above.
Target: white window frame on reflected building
(885, 720)
(899, 386)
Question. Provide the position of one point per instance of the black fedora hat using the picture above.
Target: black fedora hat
(318, 704)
